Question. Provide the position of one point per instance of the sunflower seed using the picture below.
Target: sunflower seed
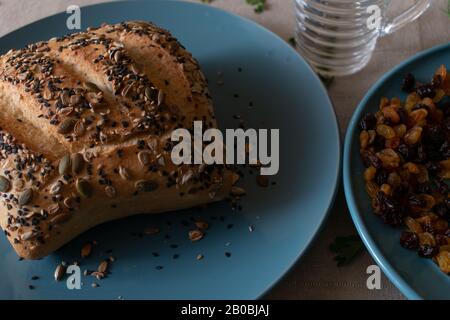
(148, 93)
(53, 208)
(65, 111)
(5, 185)
(75, 100)
(64, 164)
(160, 97)
(146, 185)
(77, 163)
(79, 128)
(202, 225)
(22, 76)
(25, 197)
(110, 191)
(56, 188)
(144, 158)
(66, 126)
(127, 90)
(92, 87)
(84, 188)
(195, 235)
(59, 272)
(70, 203)
(103, 267)
(86, 250)
(60, 218)
(124, 173)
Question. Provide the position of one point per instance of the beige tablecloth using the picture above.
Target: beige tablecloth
(316, 275)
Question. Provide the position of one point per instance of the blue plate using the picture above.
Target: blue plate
(416, 277)
(285, 94)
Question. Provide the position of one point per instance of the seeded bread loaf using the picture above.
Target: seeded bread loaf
(85, 133)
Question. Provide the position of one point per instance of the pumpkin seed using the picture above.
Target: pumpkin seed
(110, 191)
(151, 231)
(64, 164)
(77, 163)
(134, 69)
(144, 158)
(124, 173)
(25, 197)
(146, 185)
(237, 191)
(19, 185)
(84, 188)
(27, 235)
(60, 218)
(92, 87)
(202, 225)
(79, 128)
(160, 97)
(103, 267)
(262, 181)
(59, 272)
(195, 235)
(86, 250)
(56, 188)
(66, 126)
(5, 185)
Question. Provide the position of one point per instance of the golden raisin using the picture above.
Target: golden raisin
(413, 135)
(372, 189)
(369, 173)
(385, 131)
(389, 158)
(364, 139)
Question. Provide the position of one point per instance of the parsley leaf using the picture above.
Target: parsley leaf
(292, 41)
(259, 5)
(346, 249)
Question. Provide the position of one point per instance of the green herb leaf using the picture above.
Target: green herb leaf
(346, 249)
(259, 5)
(292, 41)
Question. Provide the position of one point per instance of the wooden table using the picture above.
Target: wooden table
(316, 276)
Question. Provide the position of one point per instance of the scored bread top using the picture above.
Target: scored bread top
(90, 115)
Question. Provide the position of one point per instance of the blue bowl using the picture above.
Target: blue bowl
(416, 277)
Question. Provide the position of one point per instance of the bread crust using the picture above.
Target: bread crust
(85, 136)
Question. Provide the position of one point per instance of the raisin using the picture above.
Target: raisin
(381, 177)
(427, 251)
(442, 210)
(368, 122)
(409, 240)
(409, 82)
(370, 160)
(426, 91)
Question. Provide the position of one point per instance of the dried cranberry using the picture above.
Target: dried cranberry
(427, 251)
(368, 122)
(409, 82)
(409, 240)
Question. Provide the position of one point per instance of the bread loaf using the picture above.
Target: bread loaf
(85, 133)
